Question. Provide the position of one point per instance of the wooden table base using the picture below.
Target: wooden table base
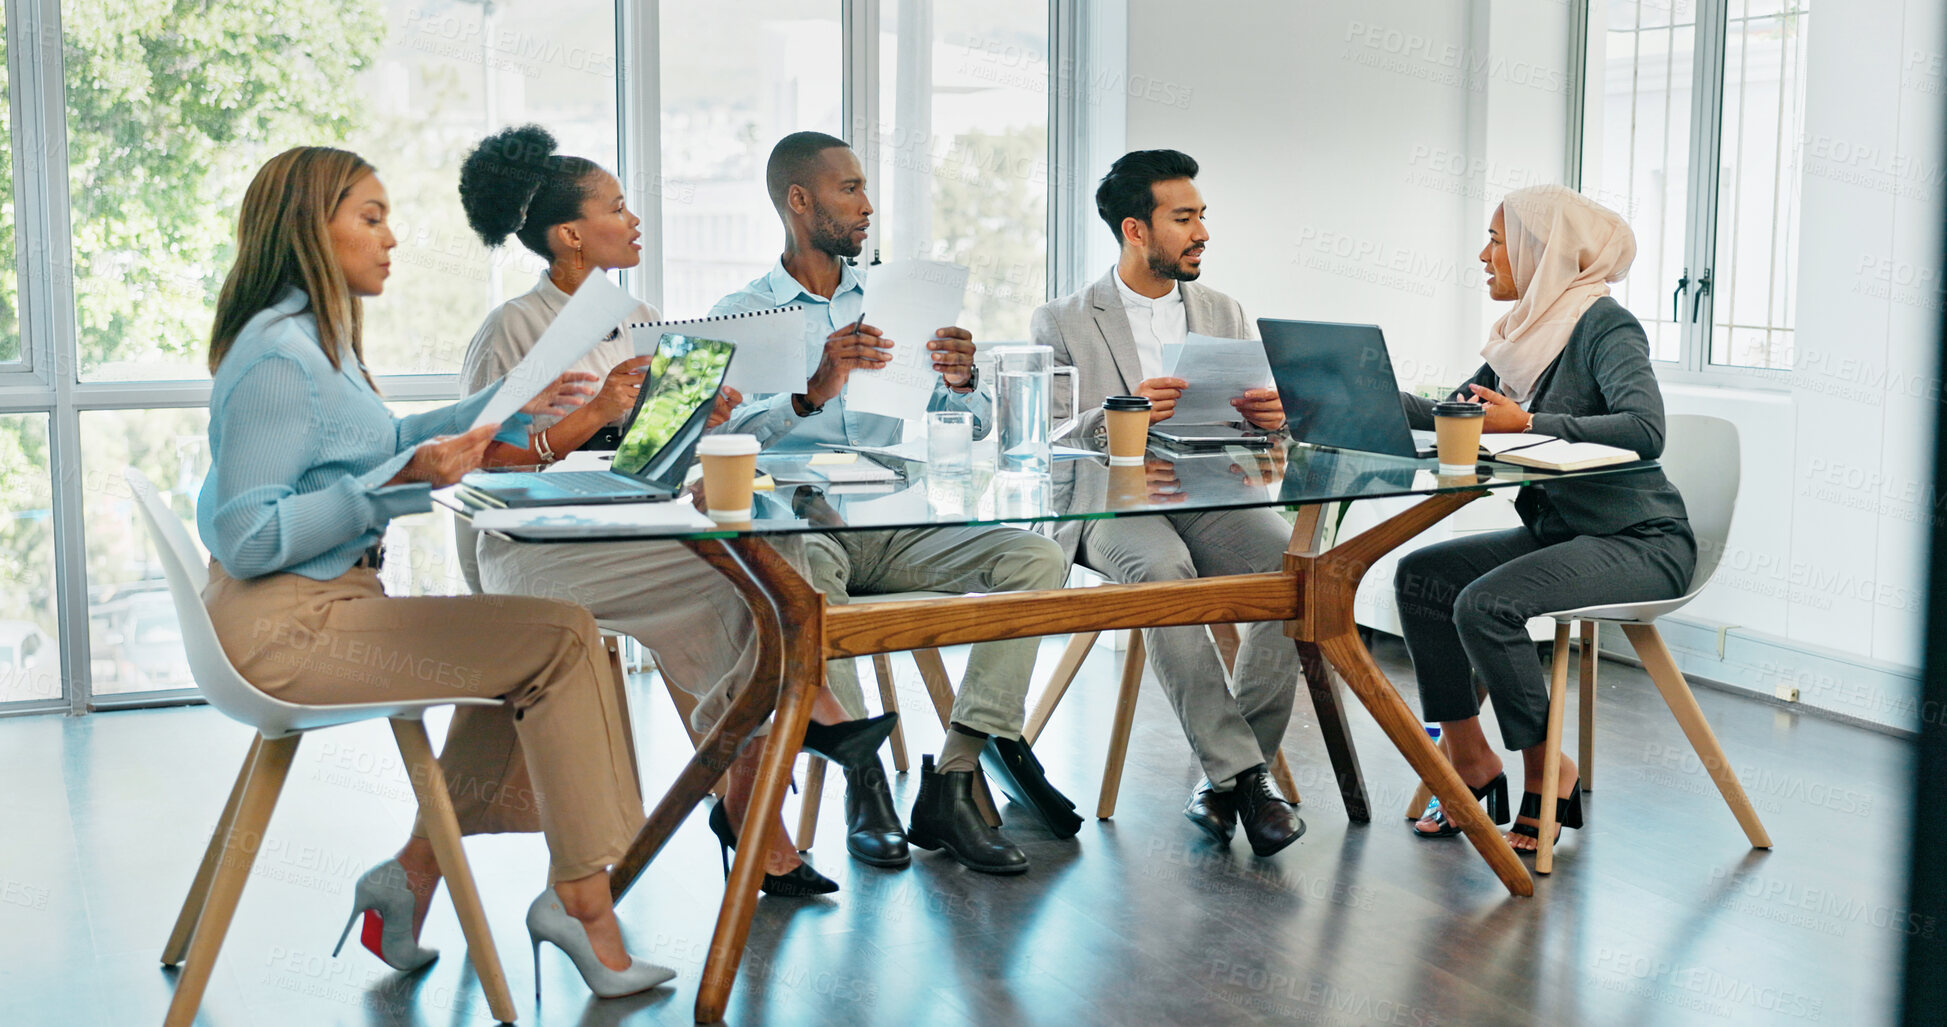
(797, 632)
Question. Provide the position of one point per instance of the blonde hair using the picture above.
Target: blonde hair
(284, 239)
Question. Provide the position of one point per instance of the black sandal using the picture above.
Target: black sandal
(1495, 793)
(1568, 813)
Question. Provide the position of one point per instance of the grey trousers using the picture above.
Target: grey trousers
(1465, 604)
(1234, 728)
(993, 694)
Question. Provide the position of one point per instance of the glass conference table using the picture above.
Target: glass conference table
(797, 631)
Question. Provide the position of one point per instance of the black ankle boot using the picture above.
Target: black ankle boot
(945, 817)
(854, 743)
(873, 832)
(1012, 765)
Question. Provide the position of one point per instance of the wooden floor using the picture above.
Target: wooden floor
(1659, 912)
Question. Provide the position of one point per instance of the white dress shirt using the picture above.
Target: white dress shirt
(1154, 323)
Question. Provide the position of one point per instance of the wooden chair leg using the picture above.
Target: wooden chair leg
(1281, 772)
(1416, 807)
(1551, 761)
(1585, 703)
(1066, 668)
(939, 687)
(814, 793)
(443, 830)
(620, 678)
(889, 701)
(1227, 640)
(1125, 717)
(265, 781)
(1669, 680)
(199, 888)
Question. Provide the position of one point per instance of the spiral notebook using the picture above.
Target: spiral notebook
(770, 346)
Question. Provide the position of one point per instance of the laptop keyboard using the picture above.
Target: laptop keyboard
(575, 483)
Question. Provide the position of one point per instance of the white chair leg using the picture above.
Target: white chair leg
(443, 830)
(1585, 703)
(1676, 693)
(267, 770)
(1551, 762)
(199, 888)
(1125, 716)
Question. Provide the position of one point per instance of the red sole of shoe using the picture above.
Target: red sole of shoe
(373, 933)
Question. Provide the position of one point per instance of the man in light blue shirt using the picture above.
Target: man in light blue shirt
(818, 188)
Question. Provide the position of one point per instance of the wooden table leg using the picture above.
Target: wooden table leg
(1337, 733)
(1330, 581)
(753, 568)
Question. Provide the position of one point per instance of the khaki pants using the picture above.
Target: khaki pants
(345, 641)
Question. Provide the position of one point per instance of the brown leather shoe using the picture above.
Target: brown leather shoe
(1269, 822)
(1214, 812)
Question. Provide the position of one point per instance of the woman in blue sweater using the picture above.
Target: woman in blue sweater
(308, 466)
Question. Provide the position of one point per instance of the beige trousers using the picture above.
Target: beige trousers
(553, 759)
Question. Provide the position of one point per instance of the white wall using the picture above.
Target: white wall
(1352, 153)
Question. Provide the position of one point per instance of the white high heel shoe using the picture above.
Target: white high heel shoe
(381, 894)
(547, 921)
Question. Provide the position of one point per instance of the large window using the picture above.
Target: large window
(147, 122)
(736, 77)
(1694, 118)
(962, 150)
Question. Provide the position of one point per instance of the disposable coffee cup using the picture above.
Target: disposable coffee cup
(729, 470)
(1128, 421)
(1457, 432)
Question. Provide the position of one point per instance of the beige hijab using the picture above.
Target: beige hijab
(1564, 248)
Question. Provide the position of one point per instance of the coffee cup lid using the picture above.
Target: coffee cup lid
(1126, 403)
(1458, 408)
(727, 445)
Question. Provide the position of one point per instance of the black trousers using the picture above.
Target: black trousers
(1465, 605)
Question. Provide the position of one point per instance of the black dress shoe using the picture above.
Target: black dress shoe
(873, 834)
(945, 817)
(853, 743)
(1268, 820)
(1012, 766)
(1213, 811)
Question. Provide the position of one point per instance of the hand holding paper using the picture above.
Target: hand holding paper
(909, 300)
(590, 315)
(1218, 371)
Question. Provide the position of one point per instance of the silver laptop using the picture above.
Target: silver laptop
(657, 446)
(1337, 385)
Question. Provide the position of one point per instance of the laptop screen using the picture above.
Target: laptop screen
(685, 375)
(1337, 385)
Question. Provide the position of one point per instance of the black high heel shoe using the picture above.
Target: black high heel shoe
(1494, 796)
(1568, 812)
(851, 743)
(801, 881)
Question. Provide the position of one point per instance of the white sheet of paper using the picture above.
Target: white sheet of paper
(1218, 370)
(770, 346)
(596, 519)
(591, 313)
(907, 300)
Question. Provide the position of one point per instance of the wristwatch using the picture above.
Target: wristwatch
(801, 405)
(973, 380)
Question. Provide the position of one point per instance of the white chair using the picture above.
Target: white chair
(1700, 457)
(213, 895)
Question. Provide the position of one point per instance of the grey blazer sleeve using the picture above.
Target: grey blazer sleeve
(1618, 363)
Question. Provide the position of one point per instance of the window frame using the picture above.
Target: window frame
(1693, 365)
(46, 381)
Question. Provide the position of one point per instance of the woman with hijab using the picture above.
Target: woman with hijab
(1568, 361)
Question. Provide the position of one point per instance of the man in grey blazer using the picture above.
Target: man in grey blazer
(1113, 333)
